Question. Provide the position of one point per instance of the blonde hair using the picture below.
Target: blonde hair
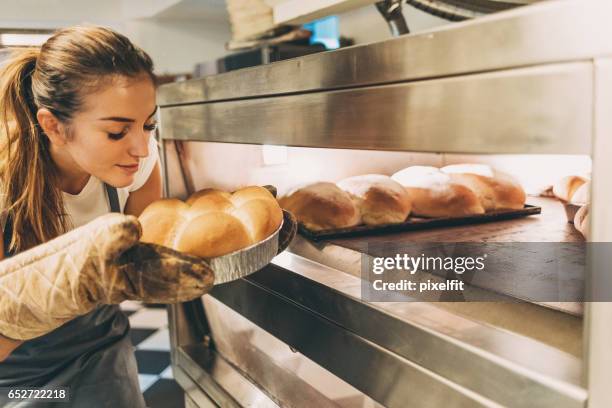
(56, 76)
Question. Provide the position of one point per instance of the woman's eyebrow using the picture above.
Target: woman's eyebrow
(129, 120)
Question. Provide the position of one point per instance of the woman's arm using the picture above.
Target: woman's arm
(6, 345)
(145, 195)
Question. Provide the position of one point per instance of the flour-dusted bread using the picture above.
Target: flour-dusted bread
(212, 223)
(321, 206)
(434, 194)
(495, 190)
(565, 188)
(379, 199)
(581, 221)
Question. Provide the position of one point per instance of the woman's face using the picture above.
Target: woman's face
(111, 133)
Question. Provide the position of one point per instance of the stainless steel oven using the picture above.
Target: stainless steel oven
(536, 80)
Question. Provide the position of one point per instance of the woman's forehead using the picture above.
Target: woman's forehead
(132, 98)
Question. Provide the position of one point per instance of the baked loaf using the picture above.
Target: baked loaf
(321, 206)
(379, 199)
(581, 221)
(496, 190)
(582, 194)
(212, 223)
(435, 194)
(565, 188)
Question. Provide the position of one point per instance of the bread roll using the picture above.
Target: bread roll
(495, 190)
(379, 199)
(212, 223)
(581, 221)
(161, 219)
(211, 234)
(321, 206)
(434, 194)
(565, 188)
(582, 194)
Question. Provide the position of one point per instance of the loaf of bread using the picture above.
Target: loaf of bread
(379, 199)
(581, 221)
(582, 194)
(321, 206)
(434, 194)
(565, 188)
(495, 190)
(212, 223)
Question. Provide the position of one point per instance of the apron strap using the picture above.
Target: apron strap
(7, 235)
(113, 198)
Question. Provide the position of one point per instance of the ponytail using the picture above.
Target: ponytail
(28, 177)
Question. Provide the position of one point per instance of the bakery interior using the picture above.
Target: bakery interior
(285, 93)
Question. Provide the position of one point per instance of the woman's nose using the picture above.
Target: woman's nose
(140, 145)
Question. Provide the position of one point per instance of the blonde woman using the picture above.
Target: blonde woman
(76, 118)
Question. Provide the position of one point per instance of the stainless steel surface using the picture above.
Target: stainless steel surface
(547, 33)
(281, 371)
(244, 262)
(387, 378)
(598, 332)
(223, 384)
(532, 110)
(301, 292)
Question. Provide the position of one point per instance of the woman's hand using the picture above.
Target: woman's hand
(99, 263)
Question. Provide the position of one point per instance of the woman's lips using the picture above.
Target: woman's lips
(130, 168)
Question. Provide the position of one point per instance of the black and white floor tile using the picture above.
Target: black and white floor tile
(150, 336)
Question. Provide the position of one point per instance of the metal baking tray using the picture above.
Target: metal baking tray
(418, 223)
(246, 261)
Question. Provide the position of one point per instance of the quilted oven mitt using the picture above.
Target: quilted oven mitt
(101, 262)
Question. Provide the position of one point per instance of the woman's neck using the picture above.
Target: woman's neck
(72, 179)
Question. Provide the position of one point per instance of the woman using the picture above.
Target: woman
(76, 118)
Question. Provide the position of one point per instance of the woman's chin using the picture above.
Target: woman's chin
(120, 181)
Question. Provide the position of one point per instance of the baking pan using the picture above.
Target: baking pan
(246, 261)
(417, 223)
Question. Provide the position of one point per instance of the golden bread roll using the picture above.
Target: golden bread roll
(565, 188)
(212, 234)
(211, 222)
(159, 221)
(379, 199)
(581, 221)
(321, 206)
(434, 194)
(496, 190)
(582, 194)
(261, 217)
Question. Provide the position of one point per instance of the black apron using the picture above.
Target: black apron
(92, 355)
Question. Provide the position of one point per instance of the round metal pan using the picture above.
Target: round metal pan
(241, 263)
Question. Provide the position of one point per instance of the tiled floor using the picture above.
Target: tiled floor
(150, 336)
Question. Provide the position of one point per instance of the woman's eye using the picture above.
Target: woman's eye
(117, 136)
(150, 127)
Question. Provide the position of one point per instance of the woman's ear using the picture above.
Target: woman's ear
(52, 127)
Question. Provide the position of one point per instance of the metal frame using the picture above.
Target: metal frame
(598, 330)
(540, 34)
(543, 96)
(567, 40)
